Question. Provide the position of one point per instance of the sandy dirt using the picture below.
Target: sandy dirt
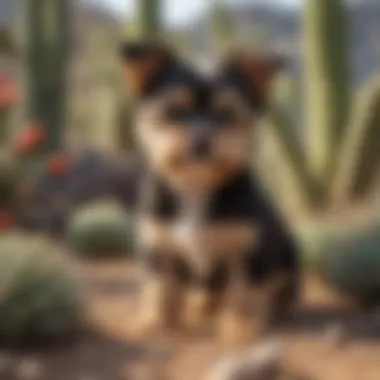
(315, 348)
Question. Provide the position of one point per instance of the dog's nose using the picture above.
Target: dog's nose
(200, 149)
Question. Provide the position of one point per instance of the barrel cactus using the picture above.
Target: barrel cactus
(351, 263)
(100, 229)
(39, 298)
(314, 240)
(346, 256)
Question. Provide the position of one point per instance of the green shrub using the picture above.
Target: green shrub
(39, 299)
(100, 229)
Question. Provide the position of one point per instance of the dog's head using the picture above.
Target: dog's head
(194, 130)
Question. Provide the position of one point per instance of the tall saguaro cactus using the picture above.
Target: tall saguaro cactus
(327, 85)
(221, 25)
(342, 158)
(47, 42)
(148, 19)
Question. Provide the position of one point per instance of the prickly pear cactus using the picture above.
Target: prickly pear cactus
(39, 298)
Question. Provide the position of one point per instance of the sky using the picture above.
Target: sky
(182, 11)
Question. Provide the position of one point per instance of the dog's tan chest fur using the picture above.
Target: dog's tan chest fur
(189, 231)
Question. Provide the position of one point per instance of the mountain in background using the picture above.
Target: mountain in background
(281, 29)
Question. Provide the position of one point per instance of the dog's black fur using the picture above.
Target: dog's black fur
(242, 198)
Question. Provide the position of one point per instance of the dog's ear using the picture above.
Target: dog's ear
(255, 72)
(143, 63)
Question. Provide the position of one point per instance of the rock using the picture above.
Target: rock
(260, 363)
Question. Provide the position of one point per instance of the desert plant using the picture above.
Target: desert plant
(358, 163)
(340, 161)
(342, 158)
(325, 28)
(221, 25)
(315, 238)
(9, 96)
(7, 43)
(10, 172)
(100, 230)
(148, 21)
(39, 296)
(29, 141)
(350, 262)
(146, 26)
(46, 55)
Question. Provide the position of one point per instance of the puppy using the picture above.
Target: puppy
(213, 247)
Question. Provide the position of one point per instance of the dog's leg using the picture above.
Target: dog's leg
(159, 306)
(234, 325)
(204, 295)
(251, 310)
(282, 290)
(244, 314)
(160, 301)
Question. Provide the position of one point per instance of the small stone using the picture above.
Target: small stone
(262, 362)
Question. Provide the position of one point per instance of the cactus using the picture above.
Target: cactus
(9, 96)
(39, 297)
(7, 44)
(327, 84)
(46, 65)
(311, 189)
(221, 25)
(351, 262)
(9, 179)
(146, 27)
(148, 21)
(360, 156)
(124, 124)
(100, 230)
(343, 137)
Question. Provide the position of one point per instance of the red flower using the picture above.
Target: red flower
(9, 94)
(29, 139)
(59, 164)
(6, 220)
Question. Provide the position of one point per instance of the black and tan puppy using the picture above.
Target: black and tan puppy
(211, 242)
